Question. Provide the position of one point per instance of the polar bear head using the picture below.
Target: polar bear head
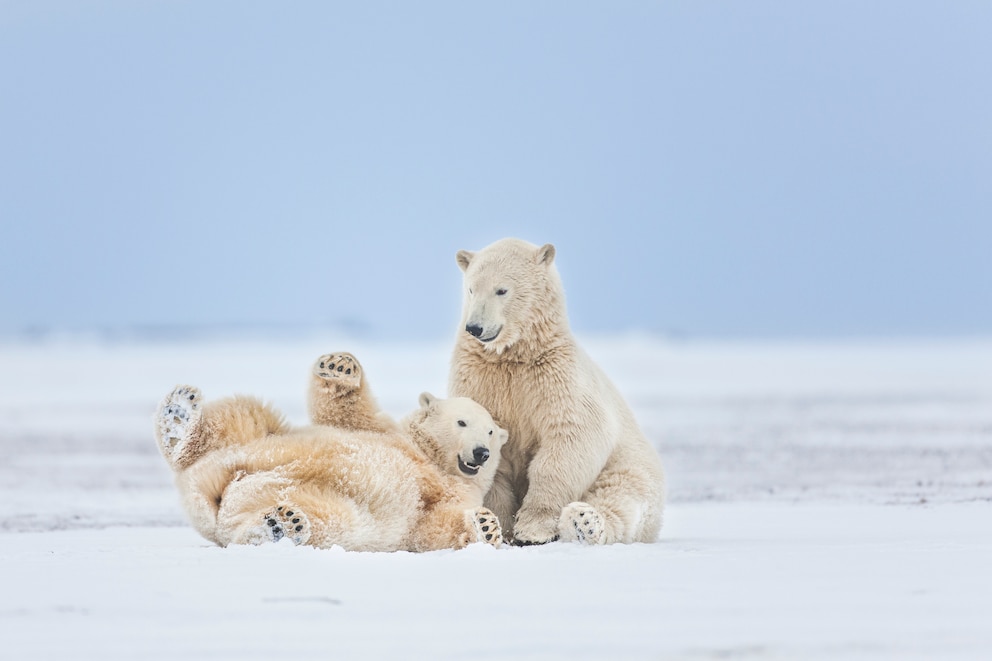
(511, 290)
(460, 436)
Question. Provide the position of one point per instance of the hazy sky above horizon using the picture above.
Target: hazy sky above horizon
(711, 169)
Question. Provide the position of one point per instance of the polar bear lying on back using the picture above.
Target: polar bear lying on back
(354, 479)
(577, 466)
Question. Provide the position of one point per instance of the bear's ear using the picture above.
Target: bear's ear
(464, 258)
(546, 254)
(503, 436)
(426, 399)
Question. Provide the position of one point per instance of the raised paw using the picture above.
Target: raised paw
(177, 418)
(341, 369)
(286, 521)
(487, 527)
(580, 522)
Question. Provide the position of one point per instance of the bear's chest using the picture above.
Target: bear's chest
(521, 396)
(517, 399)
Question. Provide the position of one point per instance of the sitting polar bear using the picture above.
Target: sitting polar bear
(354, 479)
(576, 466)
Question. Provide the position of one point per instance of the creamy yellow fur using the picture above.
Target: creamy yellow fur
(354, 478)
(576, 466)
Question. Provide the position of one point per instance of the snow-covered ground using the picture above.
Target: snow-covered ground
(827, 501)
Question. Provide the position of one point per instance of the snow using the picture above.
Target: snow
(827, 501)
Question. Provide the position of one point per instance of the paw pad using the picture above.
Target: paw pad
(287, 521)
(487, 527)
(342, 368)
(580, 522)
(177, 414)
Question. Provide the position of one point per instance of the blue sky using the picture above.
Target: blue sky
(709, 169)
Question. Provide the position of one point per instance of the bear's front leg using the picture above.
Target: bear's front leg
(486, 525)
(454, 528)
(562, 470)
(340, 395)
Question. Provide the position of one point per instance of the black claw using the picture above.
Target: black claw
(299, 528)
(485, 528)
(521, 542)
(340, 368)
(271, 522)
(296, 520)
(348, 371)
(331, 366)
(489, 537)
(289, 514)
(192, 397)
(321, 364)
(280, 508)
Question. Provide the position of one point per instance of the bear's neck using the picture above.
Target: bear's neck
(424, 441)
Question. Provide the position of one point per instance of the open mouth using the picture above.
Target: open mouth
(468, 469)
(491, 337)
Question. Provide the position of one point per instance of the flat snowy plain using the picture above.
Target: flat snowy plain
(827, 501)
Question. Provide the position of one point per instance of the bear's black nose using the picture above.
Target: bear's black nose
(480, 454)
(473, 330)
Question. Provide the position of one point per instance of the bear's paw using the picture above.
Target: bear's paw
(284, 521)
(177, 415)
(580, 522)
(340, 369)
(530, 529)
(486, 526)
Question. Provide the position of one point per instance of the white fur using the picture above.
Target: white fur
(353, 479)
(574, 446)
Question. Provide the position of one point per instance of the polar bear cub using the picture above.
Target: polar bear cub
(354, 479)
(577, 466)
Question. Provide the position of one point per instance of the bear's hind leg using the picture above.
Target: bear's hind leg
(623, 506)
(340, 395)
(178, 424)
(580, 522)
(186, 428)
(262, 507)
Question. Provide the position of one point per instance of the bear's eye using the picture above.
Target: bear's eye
(490, 432)
(501, 292)
(461, 423)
